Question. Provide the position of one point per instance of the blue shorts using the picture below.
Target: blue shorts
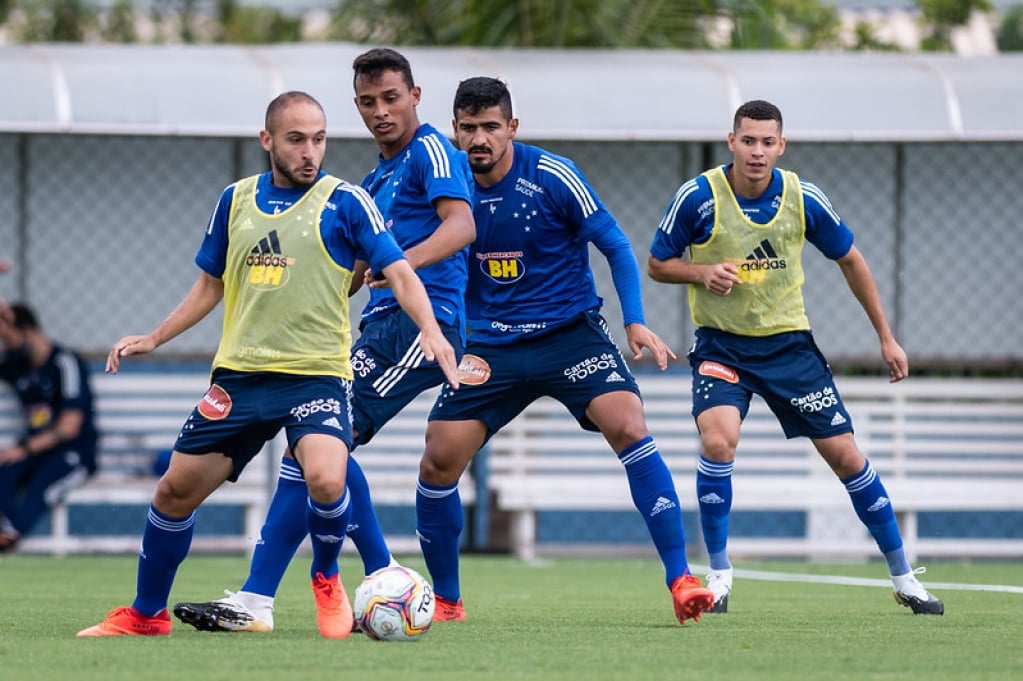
(786, 369)
(390, 370)
(574, 363)
(242, 411)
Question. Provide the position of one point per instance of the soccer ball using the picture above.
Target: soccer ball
(394, 603)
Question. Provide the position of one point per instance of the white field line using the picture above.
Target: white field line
(857, 581)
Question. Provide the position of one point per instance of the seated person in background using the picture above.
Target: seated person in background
(58, 449)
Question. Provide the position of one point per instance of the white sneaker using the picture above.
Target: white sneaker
(910, 593)
(236, 612)
(720, 584)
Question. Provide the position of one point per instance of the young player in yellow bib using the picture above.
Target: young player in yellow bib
(744, 225)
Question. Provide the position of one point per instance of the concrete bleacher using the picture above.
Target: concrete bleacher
(940, 445)
(140, 413)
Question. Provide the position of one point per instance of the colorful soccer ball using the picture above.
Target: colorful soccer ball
(394, 603)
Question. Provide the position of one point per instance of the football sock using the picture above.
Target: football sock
(714, 495)
(165, 543)
(282, 533)
(364, 528)
(439, 521)
(653, 493)
(874, 509)
(327, 525)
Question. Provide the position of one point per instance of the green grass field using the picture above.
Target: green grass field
(557, 619)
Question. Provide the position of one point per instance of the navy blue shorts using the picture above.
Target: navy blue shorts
(242, 411)
(786, 369)
(390, 370)
(574, 363)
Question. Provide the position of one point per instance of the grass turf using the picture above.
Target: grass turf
(557, 619)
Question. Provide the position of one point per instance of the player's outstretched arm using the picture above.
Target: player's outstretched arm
(206, 292)
(412, 296)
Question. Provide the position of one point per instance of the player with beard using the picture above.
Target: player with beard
(422, 186)
(536, 330)
(280, 250)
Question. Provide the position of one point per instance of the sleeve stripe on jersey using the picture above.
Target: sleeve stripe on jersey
(668, 221)
(811, 190)
(368, 205)
(70, 379)
(572, 181)
(439, 158)
(213, 218)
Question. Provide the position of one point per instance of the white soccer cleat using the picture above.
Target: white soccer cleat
(235, 612)
(910, 593)
(720, 584)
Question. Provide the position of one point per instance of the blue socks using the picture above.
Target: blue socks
(364, 528)
(439, 521)
(285, 528)
(655, 497)
(282, 532)
(714, 495)
(874, 509)
(165, 543)
(327, 526)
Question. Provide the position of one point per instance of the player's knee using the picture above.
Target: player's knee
(436, 469)
(325, 485)
(718, 446)
(175, 499)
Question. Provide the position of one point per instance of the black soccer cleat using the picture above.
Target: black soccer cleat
(921, 606)
(220, 616)
(720, 605)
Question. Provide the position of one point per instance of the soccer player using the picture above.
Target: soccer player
(535, 330)
(280, 250)
(745, 225)
(58, 449)
(422, 186)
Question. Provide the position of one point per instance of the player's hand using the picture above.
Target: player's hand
(12, 454)
(373, 281)
(640, 337)
(720, 278)
(437, 348)
(895, 357)
(129, 345)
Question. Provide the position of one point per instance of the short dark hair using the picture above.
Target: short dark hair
(758, 110)
(281, 102)
(23, 317)
(374, 62)
(482, 92)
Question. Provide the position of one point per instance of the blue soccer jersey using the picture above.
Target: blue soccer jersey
(59, 384)
(405, 188)
(350, 225)
(689, 218)
(529, 269)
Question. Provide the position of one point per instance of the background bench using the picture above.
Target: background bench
(940, 445)
(140, 413)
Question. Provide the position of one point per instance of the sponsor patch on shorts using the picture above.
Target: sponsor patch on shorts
(473, 370)
(215, 404)
(718, 370)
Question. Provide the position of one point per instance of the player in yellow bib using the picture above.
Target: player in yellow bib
(744, 225)
(280, 251)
